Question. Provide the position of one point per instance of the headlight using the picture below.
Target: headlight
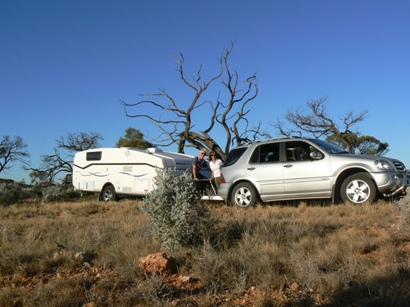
(383, 165)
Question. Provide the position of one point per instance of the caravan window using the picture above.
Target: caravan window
(94, 156)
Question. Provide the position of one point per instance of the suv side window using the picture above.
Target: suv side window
(298, 151)
(266, 153)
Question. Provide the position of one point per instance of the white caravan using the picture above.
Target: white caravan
(113, 172)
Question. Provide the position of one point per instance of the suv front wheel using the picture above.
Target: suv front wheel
(244, 195)
(358, 189)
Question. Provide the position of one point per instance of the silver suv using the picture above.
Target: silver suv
(299, 168)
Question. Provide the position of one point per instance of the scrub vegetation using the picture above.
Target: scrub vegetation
(86, 253)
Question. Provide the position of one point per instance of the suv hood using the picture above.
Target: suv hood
(397, 163)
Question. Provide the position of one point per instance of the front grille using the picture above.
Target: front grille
(399, 166)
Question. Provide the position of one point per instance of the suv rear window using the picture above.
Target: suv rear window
(234, 156)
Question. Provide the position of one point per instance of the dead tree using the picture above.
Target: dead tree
(61, 161)
(318, 123)
(227, 112)
(12, 150)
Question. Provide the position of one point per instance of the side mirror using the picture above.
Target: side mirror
(316, 155)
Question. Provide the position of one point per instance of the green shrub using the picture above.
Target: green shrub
(176, 215)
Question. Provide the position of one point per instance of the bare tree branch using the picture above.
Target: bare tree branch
(62, 159)
(12, 150)
(319, 123)
(79, 142)
(175, 119)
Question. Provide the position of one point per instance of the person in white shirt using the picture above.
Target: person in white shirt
(215, 165)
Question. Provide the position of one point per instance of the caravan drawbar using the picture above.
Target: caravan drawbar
(114, 172)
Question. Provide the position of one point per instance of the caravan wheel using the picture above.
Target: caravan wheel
(108, 194)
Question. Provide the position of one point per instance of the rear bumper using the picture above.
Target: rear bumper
(223, 191)
(215, 198)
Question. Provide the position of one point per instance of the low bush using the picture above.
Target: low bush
(177, 217)
(13, 192)
(59, 193)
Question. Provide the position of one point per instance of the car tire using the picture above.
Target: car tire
(108, 194)
(358, 189)
(243, 195)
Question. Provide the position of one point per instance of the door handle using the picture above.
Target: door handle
(250, 168)
(288, 165)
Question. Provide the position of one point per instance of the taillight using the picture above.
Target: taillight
(222, 179)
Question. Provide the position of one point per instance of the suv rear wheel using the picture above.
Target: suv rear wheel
(244, 195)
(358, 189)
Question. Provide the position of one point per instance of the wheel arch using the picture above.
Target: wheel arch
(258, 193)
(108, 183)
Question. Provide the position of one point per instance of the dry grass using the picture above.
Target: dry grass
(72, 254)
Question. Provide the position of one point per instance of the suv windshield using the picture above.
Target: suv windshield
(329, 147)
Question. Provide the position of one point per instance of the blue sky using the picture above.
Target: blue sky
(65, 65)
